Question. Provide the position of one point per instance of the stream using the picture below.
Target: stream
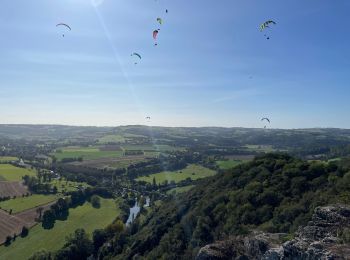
(135, 210)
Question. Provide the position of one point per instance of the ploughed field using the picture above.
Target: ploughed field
(13, 224)
(12, 189)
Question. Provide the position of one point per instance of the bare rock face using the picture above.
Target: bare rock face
(320, 239)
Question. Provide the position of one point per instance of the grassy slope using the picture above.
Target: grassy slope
(180, 189)
(225, 165)
(199, 172)
(84, 216)
(9, 172)
(21, 204)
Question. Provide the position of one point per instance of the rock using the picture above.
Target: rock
(320, 239)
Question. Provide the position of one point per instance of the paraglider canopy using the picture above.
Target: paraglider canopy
(267, 24)
(137, 55)
(267, 119)
(64, 25)
(155, 34)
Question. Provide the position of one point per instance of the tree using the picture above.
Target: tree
(41, 255)
(48, 219)
(95, 201)
(8, 241)
(24, 232)
(99, 237)
(78, 246)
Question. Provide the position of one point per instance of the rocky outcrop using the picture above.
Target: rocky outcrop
(323, 238)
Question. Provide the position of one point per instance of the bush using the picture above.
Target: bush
(95, 201)
(24, 232)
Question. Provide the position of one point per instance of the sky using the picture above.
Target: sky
(212, 66)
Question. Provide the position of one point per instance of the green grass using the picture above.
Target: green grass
(9, 172)
(191, 171)
(87, 153)
(20, 204)
(155, 148)
(84, 216)
(111, 139)
(180, 189)
(7, 159)
(261, 148)
(225, 165)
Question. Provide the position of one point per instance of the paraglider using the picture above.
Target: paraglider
(265, 119)
(160, 20)
(155, 35)
(266, 25)
(148, 118)
(137, 55)
(64, 25)
(166, 10)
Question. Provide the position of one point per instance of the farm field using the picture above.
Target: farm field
(11, 189)
(23, 203)
(261, 148)
(115, 163)
(84, 216)
(7, 159)
(155, 148)
(87, 153)
(191, 171)
(9, 172)
(228, 164)
(111, 139)
(180, 189)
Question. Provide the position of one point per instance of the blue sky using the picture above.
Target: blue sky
(212, 66)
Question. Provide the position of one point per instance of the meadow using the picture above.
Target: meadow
(228, 164)
(87, 153)
(53, 239)
(23, 203)
(9, 172)
(7, 159)
(192, 171)
(111, 139)
(178, 190)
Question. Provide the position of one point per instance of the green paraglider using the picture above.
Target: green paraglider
(160, 20)
(267, 24)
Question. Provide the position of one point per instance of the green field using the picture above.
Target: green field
(84, 216)
(21, 204)
(155, 148)
(191, 171)
(225, 165)
(7, 159)
(261, 148)
(87, 153)
(9, 172)
(111, 139)
(180, 189)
